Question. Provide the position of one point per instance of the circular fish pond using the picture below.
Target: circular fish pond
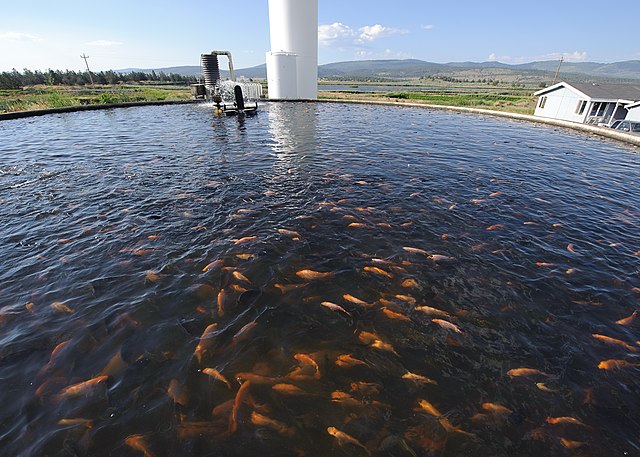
(318, 279)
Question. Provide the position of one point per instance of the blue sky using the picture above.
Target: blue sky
(117, 34)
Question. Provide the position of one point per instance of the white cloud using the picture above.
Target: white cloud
(492, 57)
(103, 43)
(332, 33)
(373, 32)
(14, 37)
(428, 26)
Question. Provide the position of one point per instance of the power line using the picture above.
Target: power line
(85, 57)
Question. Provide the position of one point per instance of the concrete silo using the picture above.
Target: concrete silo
(292, 63)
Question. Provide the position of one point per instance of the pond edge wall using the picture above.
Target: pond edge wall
(600, 131)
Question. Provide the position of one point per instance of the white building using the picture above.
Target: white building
(633, 112)
(586, 103)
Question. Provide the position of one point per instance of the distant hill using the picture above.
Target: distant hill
(532, 72)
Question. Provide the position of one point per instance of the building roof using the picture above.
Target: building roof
(613, 92)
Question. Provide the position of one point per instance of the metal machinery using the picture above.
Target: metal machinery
(230, 96)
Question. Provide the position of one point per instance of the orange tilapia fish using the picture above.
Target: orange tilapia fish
(428, 310)
(177, 392)
(543, 387)
(496, 408)
(152, 276)
(566, 420)
(241, 396)
(215, 374)
(246, 239)
(616, 364)
(240, 277)
(415, 250)
(83, 388)
(410, 284)
(355, 300)
(223, 297)
(545, 264)
(255, 378)
(418, 379)
(524, 372)
(311, 275)
(76, 421)
(615, 342)
(344, 439)
(286, 288)
(60, 307)
(206, 341)
(139, 443)
(334, 307)
(627, 321)
(571, 248)
(447, 325)
(425, 406)
(347, 360)
(116, 366)
(215, 265)
(279, 427)
(495, 227)
(406, 298)
(393, 315)
(244, 332)
(289, 389)
(307, 368)
(290, 233)
(441, 258)
(238, 288)
(571, 444)
(378, 271)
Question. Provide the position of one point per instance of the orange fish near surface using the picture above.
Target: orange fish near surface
(215, 374)
(279, 427)
(206, 341)
(344, 439)
(524, 372)
(347, 360)
(83, 388)
(446, 325)
(616, 364)
(311, 275)
(378, 271)
(627, 321)
(613, 341)
(139, 443)
(355, 300)
(566, 420)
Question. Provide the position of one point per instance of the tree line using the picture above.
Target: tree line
(16, 80)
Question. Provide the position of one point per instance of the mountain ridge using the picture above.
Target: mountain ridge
(390, 69)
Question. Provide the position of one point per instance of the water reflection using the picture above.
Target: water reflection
(225, 286)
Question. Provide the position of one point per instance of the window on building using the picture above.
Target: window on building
(582, 104)
(595, 108)
(603, 106)
(543, 101)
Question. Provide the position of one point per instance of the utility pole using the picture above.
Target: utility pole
(87, 64)
(555, 78)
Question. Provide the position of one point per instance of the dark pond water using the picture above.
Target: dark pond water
(316, 280)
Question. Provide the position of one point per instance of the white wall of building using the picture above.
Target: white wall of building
(562, 103)
(634, 114)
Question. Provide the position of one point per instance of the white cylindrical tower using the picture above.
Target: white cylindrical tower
(294, 31)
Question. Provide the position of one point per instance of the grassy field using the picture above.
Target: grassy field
(514, 99)
(44, 97)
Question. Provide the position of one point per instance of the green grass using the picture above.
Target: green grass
(470, 100)
(45, 97)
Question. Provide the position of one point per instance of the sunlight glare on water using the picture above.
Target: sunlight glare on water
(318, 279)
